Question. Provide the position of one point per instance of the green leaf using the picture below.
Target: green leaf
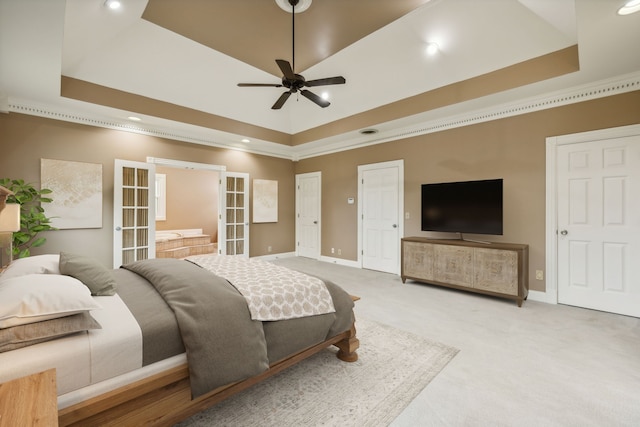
(38, 242)
(21, 238)
(33, 219)
(24, 253)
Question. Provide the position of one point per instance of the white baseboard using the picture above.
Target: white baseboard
(542, 297)
(271, 257)
(340, 261)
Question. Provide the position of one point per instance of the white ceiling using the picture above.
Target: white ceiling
(40, 40)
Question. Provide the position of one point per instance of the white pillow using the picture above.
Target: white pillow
(37, 264)
(36, 297)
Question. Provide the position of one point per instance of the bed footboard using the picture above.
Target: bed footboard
(165, 399)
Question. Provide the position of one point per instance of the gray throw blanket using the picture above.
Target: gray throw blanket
(223, 344)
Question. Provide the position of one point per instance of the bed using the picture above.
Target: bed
(156, 341)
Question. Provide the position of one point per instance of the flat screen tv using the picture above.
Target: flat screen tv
(473, 207)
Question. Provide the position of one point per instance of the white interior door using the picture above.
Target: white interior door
(381, 204)
(233, 228)
(598, 203)
(308, 214)
(134, 217)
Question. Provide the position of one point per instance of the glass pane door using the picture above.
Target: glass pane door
(234, 220)
(134, 215)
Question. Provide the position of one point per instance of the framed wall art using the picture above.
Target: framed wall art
(76, 192)
(265, 200)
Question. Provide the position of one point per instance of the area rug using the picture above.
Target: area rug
(392, 368)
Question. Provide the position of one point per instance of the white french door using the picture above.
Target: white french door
(381, 204)
(308, 214)
(233, 229)
(133, 212)
(598, 223)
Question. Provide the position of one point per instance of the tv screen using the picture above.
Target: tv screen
(463, 207)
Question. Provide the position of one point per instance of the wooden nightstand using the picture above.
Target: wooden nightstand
(29, 401)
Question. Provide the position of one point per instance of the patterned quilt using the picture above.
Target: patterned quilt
(272, 292)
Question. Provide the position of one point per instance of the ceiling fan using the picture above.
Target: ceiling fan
(295, 82)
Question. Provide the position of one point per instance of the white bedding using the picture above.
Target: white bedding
(84, 358)
(97, 389)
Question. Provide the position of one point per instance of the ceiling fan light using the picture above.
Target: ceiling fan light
(629, 7)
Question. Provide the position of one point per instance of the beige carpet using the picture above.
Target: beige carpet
(393, 367)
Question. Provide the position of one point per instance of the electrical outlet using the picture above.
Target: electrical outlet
(539, 275)
(339, 251)
(269, 249)
(407, 215)
(333, 251)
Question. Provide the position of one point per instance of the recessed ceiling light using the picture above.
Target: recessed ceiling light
(368, 131)
(324, 95)
(629, 7)
(134, 118)
(432, 48)
(113, 4)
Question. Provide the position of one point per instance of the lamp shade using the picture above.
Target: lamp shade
(10, 218)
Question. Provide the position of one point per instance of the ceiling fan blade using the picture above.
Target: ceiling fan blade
(286, 69)
(259, 85)
(338, 80)
(280, 102)
(315, 98)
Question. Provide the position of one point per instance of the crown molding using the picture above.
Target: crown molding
(186, 133)
(600, 89)
(350, 141)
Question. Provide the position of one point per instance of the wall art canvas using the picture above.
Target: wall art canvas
(77, 193)
(265, 200)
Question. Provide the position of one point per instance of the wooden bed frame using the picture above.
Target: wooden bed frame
(165, 398)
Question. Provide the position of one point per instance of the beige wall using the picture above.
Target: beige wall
(511, 148)
(192, 200)
(24, 140)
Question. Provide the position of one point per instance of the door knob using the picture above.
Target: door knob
(395, 226)
(315, 222)
(564, 232)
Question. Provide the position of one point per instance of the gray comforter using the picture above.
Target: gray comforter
(223, 345)
(202, 303)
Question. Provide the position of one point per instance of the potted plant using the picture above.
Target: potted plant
(32, 217)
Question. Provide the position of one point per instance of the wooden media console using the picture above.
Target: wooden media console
(498, 269)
